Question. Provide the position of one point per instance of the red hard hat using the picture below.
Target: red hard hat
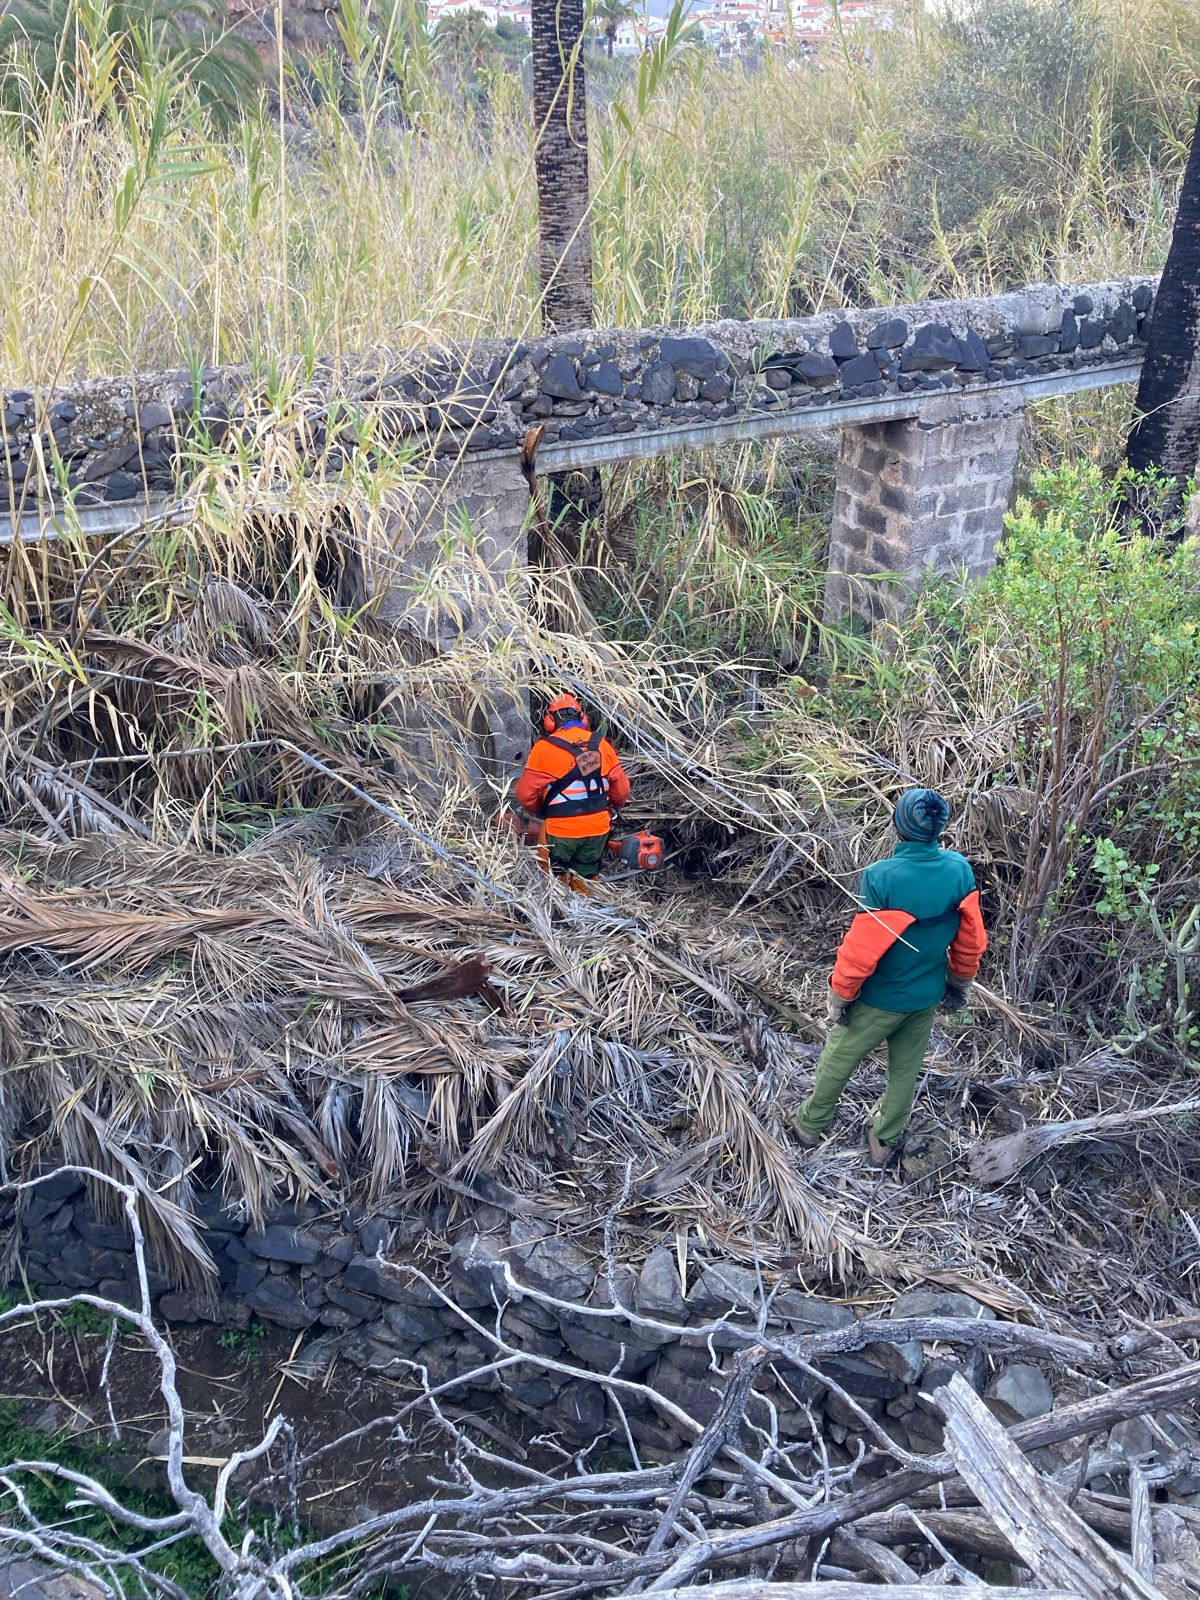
(554, 718)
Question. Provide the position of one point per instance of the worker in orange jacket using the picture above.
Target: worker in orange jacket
(571, 780)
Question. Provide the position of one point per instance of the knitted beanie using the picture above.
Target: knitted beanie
(920, 816)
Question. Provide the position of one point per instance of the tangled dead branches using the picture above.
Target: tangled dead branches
(740, 1514)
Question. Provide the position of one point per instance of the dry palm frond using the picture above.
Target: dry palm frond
(999, 1160)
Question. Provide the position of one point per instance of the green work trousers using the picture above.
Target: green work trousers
(907, 1034)
(580, 856)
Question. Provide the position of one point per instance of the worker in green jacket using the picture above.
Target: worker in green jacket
(916, 943)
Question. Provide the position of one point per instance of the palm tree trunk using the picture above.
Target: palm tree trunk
(1166, 434)
(561, 162)
(610, 33)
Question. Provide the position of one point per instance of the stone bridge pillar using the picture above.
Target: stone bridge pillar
(487, 504)
(920, 493)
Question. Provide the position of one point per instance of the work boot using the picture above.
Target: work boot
(878, 1154)
(808, 1141)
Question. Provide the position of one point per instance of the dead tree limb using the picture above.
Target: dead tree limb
(752, 1589)
(720, 1432)
(1087, 1416)
(998, 1160)
(1051, 1540)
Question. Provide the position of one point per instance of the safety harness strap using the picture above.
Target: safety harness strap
(587, 770)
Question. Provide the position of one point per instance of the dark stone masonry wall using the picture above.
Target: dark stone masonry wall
(113, 440)
(333, 1278)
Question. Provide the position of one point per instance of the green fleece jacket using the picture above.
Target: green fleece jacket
(920, 922)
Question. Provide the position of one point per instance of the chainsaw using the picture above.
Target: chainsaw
(641, 852)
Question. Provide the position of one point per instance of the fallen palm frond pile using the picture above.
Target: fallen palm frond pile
(308, 1031)
(305, 1030)
(220, 962)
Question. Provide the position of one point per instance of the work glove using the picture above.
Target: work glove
(837, 1009)
(958, 992)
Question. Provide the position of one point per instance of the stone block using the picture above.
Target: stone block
(370, 1354)
(861, 1378)
(860, 369)
(373, 1235)
(872, 458)
(973, 495)
(276, 1300)
(579, 1411)
(477, 1271)
(527, 1336)
(697, 1397)
(104, 1235)
(691, 354)
(725, 1287)
(987, 521)
(658, 384)
(843, 342)
(654, 1435)
(888, 556)
(278, 1243)
(556, 1266)
(895, 497)
(368, 1276)
(694, 1356)
(838, 1411)
(189, 1305)
(620, 1349)
(889, 335)
(532, 1391)
(411, 1325)
(658, 1292)
(247, 1276)
(856, 540)
(904, 1361)
(806, 1313)
(617, 1292)
(1020, 1392)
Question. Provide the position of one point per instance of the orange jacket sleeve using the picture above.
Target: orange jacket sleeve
(970, 941)
(618, 783)
(868, 939)
(531, 786)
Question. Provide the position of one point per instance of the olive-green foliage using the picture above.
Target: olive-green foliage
(104, 52)
(726, 564)
(1058, 704)
(1008, 93)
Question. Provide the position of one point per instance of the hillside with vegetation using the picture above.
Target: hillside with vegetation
(267, 952)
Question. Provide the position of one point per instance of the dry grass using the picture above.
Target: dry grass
(140, 239)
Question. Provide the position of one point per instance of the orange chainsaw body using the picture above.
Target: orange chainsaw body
(641, 851)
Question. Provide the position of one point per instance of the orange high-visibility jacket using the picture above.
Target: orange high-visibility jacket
(548, 764)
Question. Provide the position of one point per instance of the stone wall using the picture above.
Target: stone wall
(594, 393)
(340, 1279)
